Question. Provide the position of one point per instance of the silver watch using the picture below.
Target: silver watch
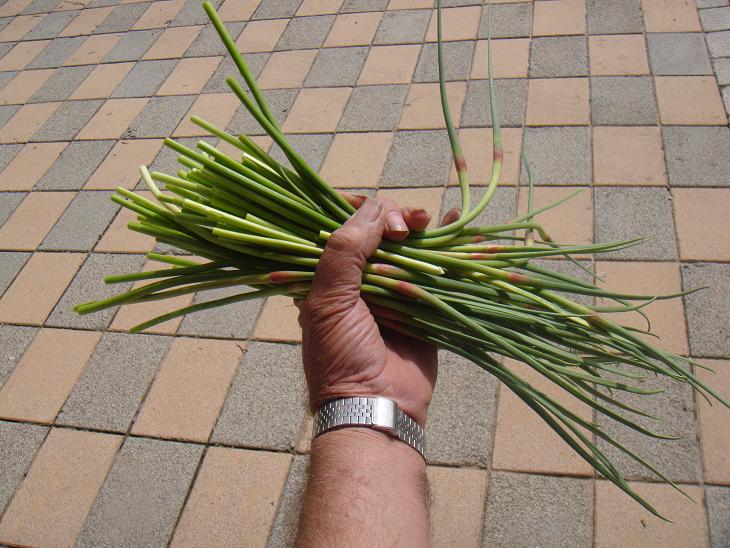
(377, 413)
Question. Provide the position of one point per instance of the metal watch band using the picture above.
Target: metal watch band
(378, 413)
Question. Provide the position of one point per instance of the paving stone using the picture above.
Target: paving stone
(18, 446)
(623, 100)
(4, 48)
(286, 522)
(402, 27)
(233, 321)
(678, 53)
(67, 121)
(160, 117)
(710, 3)
(313, 148)
(461, 417)
(265, 406)
(508, 21)
(374, 108)
(10, 265)
(558, 56)
(697, 156)
(192, 13)
(718, 514)
(305, 32)
(570, 269)
(145, 78)
(6, 77)
(457, 62)
(355, 6)
(276, 9)
(208, 44)
(626, 213)
(143, 494)
(51, 25)
(709, 333)
(14, 340)
(61, 84)
(501, 209)
(280, 101)
(8, 202)
(122, 18)
(558, 155)
(7, 112)
(715, 19)
(56, 53)
(83, 222)
(40, 6)
(114, 382)
(88, 285)
(217, 82)
(614, 16)
(722, 71)
(132, 46)
(719, 43)
(511, 97)
(336, 67)
(76, 164)
(102, 3)
(417, 158)
(519, 506)
(166, 159)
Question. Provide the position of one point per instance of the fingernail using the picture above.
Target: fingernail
(395, 222)
(418, 211)
(370, 210)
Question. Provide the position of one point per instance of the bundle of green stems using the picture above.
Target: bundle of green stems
(256, 222)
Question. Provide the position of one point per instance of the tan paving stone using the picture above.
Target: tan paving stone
(260, 36)
(702, 221)
(23, 86)
(571, 223)
(13, 7)
(689, 100)
(655, 278)
(278, 321)
(93, 50)
(457, 506)
(318, 7)
(390, 65)
(670, 16)
(524, 442)
(558, 101)
(427, 198)
(102, 81)
(44, 377)
(317, 110)
(509, 58)
(19, 27)
(355, 160)
(621, 523)
(286, 69)
(628, 155)
(189, 76)
(557, 17)
(29, 165)
(86, 21)
(188, 392)
(119, 239)
(67, 5)
(173, 42)
(618, 55)
(35, 292)
(234, 499)
(217, 109)
(460, 23)
(22, 54)
(26, 122)
(353, 29)
(715, 423)
(423, 110)
(112, 119)
(121, 165)
(237, 10)
(33, 218)
(477, 146)
(52, 503)
(159, 14)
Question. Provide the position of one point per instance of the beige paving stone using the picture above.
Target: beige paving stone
(34, 292)
(477, 146)
(112, 119)
(217, 109)
(524, 442)
(509, 58)
(188, 392)
(234, 499)
(423, 110)
(318, 7)
(260, 36)
(461, 23)
(426, 198)
(19, 27)
(13, 7)
(23, 86)
(26, 122)
(558, 101)
(119, 239)
(628, 155)
(619, 522)
(34, 217)
(390, 65)
(571, 223)
(457, 506)
(689, 100)
(286, 69)
(715, 423)
(173, 42)
(86, 21)
(618, 55)
(353, 29)
(51, 505)
(159, 14)
(670, 16)
(237, 10)
(93, 50)
(189, 76)
(22, 54)
(278, 321)
(356, 160)
(655, 278)
(317, 110)
(102, 81)
(67, 5)
(557, 17)
(29, 165)
(45, 376)
(701, 217)
(121, 165)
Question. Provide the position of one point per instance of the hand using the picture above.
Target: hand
(346, 353)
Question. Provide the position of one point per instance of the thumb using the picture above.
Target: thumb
(338, 276)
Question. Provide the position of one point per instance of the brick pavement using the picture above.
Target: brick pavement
(113, 439)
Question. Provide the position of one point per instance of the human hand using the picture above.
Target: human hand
(345, 352)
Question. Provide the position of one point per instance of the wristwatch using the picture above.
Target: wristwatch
(377, 413)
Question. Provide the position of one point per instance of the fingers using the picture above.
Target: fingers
(355, 200)
(452, 215)
(416, 218)
(396, 228)
(399, 221)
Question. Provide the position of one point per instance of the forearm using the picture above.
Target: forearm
(365, 489)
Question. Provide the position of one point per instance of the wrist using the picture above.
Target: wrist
(365, 445)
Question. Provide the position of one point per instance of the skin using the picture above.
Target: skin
(365, 488)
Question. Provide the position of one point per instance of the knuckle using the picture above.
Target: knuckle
(346, 239)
